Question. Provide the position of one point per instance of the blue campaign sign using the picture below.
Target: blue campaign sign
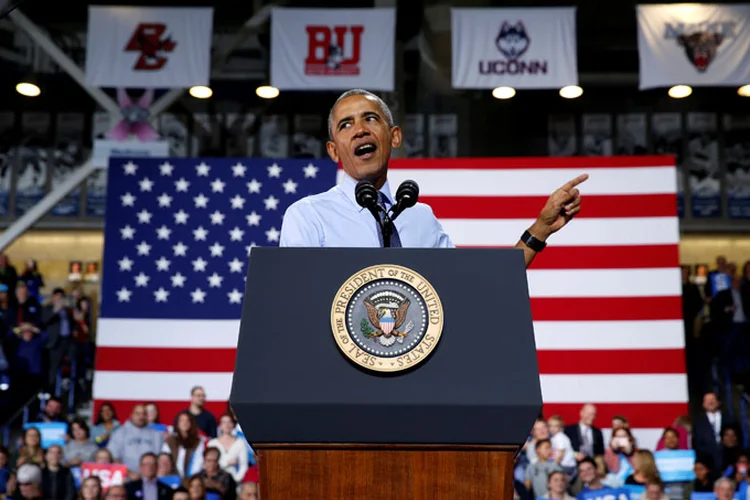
(635, 491)
(605, 494)
(675, 465)
(76, 472)
(53, 433)
(171, 481)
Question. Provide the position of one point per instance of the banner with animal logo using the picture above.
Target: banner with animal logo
(533, 48)
(333, 49)
(149, 47)
(694, 44)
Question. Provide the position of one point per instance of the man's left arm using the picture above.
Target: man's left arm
(560, 208)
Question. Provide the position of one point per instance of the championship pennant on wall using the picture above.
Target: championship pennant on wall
(694, 44)
(149, 47)
(333, 49)
(531, 48)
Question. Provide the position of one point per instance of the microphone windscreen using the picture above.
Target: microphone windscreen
(407, 193)
(366, 194)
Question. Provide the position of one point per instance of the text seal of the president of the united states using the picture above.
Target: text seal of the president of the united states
(387, 318)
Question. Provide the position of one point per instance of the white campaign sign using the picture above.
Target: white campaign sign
(333, 49)
(149, 47)
(532, 48)
(694, 44)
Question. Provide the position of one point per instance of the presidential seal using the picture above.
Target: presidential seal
(387, 318)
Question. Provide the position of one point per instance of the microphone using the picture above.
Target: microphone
(407, 195)
(367, 197)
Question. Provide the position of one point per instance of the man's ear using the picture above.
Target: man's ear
(396, 137)
(331, 148)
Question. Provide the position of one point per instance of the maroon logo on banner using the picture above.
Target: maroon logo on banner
(700, 48)
(327, 52)
(147, 39)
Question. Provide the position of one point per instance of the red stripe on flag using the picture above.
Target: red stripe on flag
(639, 415)
(165, 359)
(616, 362)
(536, 163)
(557, 362)
(528, 207)
(612, 257)
(606, 308)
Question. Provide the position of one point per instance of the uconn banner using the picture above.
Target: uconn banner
(694, 44)
(332, 49)
(533, 48)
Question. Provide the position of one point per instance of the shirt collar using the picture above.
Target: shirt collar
(347, 184)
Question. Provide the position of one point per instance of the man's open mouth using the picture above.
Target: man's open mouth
(365, 150)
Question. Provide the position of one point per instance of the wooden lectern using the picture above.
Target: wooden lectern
(347, 390)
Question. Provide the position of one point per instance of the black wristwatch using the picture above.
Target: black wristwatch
(531, 242)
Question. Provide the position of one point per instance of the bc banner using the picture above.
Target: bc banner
(606, 494)
(53, 433)
(675, 465)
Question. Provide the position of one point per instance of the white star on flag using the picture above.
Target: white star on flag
(271, 203)
(146, 184)
(237, 201)
(274, 170)
(200, 234)
(144, 217)
(310, 171)
(254, 186)
(141, 279)
(217, 218)
(123, 295)
(163, 233)
(235, 265)
(236, 234)
(128, 200)
(143, 248)
(253, 219)
(217, 186)
(202, 169)
(125, 264)
(180, 249)
(166, 168)
(161, 295)
(181, 185)
(178, 280)
(127, 233)
(216, 250)
(164, 200)
(200, 201)
(199, 264)
(235, 297)
(198, 295)
(273, 234)
(238, 170)
(181, 217)
(214, 281)
(290, 187)
(162, 264)
(130, 168)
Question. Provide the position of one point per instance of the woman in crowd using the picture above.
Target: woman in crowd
(644, 469)
(79, 447)
(704, 479)
(196, 488)
(103, 456)
(670, 439)
(186, 446)
(106, 423)
(31, 451)
(152, 413)
(91, 489)
(234, 452)
(622, 446)
(731, 449)
(57, 481)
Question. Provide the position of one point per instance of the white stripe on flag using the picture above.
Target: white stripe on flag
(534, 182)
(623, 389)
(605, 282)
(550, 335)
(583, 232)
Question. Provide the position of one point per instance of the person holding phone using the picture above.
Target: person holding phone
(621, 447)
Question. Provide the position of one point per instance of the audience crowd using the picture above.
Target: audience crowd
(200, 456)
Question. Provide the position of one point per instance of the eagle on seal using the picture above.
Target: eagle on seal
(387, 321)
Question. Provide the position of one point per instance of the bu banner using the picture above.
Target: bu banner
(693, 44)
(522, 48)
(333, 49)
(148, 47)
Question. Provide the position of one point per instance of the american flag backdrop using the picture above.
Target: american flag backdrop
(606, 293)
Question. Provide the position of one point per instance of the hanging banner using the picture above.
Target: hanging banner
(532, 48)
(666, 136)
(333, 49)
(737, 157)
(149, 47)
(702, 161)
(694, 44)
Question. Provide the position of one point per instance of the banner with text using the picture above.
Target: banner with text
(694, 44)
(333, 49)
(149, 47)
(532, 48)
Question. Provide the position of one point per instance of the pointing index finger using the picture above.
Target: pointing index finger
(573, 183)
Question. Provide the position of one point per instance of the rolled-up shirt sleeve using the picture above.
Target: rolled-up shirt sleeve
(301, 227)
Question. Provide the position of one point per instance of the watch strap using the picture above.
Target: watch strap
(530, 241)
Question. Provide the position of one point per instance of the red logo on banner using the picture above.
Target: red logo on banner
(327, 52)
(147, 39)
(108, 474)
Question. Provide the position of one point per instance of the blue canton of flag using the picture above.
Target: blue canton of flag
(178, 231)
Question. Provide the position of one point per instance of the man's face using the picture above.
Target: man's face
(211, 463)
(138, 416)
(362, 139)
(52, 409)
(588, 414)
(710, 403)
(53, 455)
(116, 493)
(198, 398)
(148, 467)
(249, 491)
(653, 492)
(58, 298)
(587, 472)
(724, 491)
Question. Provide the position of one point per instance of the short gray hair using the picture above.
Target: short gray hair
(381, 104)
(723, 480)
